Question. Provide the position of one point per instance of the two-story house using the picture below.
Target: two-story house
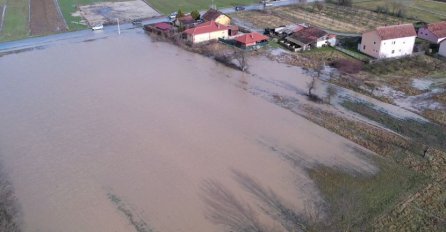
(389, 41)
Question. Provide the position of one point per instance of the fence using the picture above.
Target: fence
(354, 54)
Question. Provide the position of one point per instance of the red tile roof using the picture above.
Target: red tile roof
(206, 27)
(308, 35)
(438, 29)
(252, 37)
(163, 26)
(396, 31)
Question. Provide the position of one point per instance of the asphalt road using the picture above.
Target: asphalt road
(111, 30)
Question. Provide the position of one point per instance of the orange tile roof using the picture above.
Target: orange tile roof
(252, 37)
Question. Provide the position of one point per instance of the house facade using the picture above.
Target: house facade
(442, 49)
(389, 41)
(206, 32)
(433, 32)
(217, 16)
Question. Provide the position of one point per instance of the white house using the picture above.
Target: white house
(433, 32)
(389, 41)
(206, 31)
(442, 50)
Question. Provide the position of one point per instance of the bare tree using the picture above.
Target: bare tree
(240, 56)
(311, 86)
(331, 92)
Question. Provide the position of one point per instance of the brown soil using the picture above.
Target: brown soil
(45, 18)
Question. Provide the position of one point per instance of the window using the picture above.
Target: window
(393, 42)
(393, 51)
(363, 47)
(374, 42)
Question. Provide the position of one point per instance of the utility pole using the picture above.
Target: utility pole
(119, 28)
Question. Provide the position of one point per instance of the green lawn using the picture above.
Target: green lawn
(169, 6)
(15, 25)
(425, 10)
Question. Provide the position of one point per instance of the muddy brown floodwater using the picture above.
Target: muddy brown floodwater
(124, 134)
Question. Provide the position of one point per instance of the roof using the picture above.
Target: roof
(211, 14)
(163, 26)
(206, 27)
(188, 19)
(396, 31)
(249, 38)
(438, 29)
(308, 35)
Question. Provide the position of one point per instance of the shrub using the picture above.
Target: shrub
(348, 66)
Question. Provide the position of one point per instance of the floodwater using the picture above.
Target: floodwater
(124, 134)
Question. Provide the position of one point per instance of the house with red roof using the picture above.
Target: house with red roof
(205, 32)
(307, 38)
(389, 41)
(217, 16)
(433, 32)
(251, 40)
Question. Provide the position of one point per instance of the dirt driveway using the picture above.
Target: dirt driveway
(45, 17)
(108, 12)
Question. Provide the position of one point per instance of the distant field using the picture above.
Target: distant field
(168, 6)
(69, 7)
(425, 10)
(15, 25)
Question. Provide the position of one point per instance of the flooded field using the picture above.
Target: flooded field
(124, 134)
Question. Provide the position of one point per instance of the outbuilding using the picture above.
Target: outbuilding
(251, 40)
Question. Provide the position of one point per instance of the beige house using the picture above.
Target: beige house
(206, 31)
(389, 41)
(217, 16)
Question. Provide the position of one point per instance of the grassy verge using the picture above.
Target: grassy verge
(169, 6)
(15, 25)
(417, 206)
(423, 132)
(356, 201)
(325, 54)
